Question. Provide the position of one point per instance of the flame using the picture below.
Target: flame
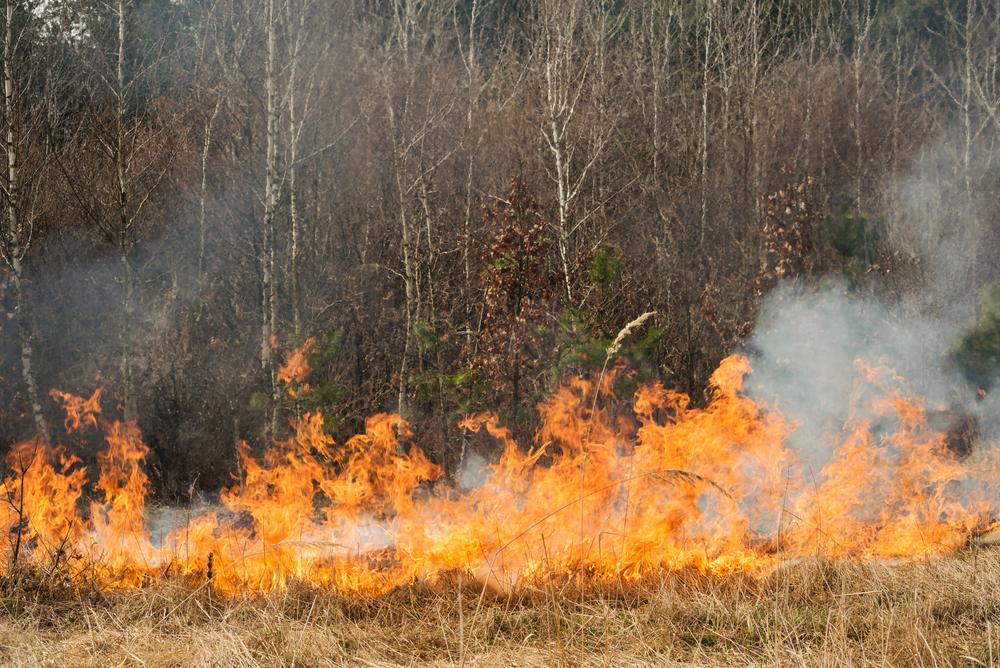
(295, 372)
(603, 494)
(79, 412)
(119, 524)
(42, 492)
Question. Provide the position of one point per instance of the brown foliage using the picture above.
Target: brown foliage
(790, 220)
(706, 163)
(520, 285)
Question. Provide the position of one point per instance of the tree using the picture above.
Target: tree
(518, 315)
(24, 112)
(122, 151)
(575, 138)
(417, 88)
(977, 352)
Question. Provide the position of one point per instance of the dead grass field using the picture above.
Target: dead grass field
(814, 612)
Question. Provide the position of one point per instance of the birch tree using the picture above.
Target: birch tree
(269, 304)
(126, 238)
(575, 139)
(317, 118)
(123, 154)
(21, 119)
(300, 127)
(418, 96)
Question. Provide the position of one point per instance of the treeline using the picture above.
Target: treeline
(461, 203)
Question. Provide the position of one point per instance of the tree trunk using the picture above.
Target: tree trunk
(203, 222)
(704, 135)
(410, 279)
(15, 227)
(129, 399)
(268, 302)
(295, 121)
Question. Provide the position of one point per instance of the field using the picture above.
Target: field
(815, 611)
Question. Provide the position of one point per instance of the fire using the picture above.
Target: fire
(119, 524)
(80, 412)
(295, 372)
(603, 494)
(43, 490)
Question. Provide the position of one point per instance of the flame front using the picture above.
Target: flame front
(667, 487)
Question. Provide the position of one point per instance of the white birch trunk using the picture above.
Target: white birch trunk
(268, 302)
(129, 398)
(15, 227)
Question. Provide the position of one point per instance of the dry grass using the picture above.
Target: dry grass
(929, 613)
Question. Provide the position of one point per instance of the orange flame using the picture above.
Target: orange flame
(673, 486)
(79, 412)
(297, 369)
(42, 492)
(119, 524)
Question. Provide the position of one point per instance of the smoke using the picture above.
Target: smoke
(804, 353)
(474, 473)
(808, 339)
(163, 521)
(935, 217)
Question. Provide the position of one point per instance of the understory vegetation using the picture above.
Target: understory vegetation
(462, 203)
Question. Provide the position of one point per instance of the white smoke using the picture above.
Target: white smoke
(807, 339)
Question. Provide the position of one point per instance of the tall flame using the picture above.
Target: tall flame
(599, 497)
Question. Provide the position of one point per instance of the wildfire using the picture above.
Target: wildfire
(622, 499)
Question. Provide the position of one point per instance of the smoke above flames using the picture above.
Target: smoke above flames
(719, 489)
(805, 353)
(808, 339)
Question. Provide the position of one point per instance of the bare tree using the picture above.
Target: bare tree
(269, 302)
(748, 36)
(126, 239)
(300, 128)
(21, 118)
(575, 138)
(418, 96)
(122, 154)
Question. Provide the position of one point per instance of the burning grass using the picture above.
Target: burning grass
(669, 534)
(663, 488)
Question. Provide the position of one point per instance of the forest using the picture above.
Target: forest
(450, 207)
